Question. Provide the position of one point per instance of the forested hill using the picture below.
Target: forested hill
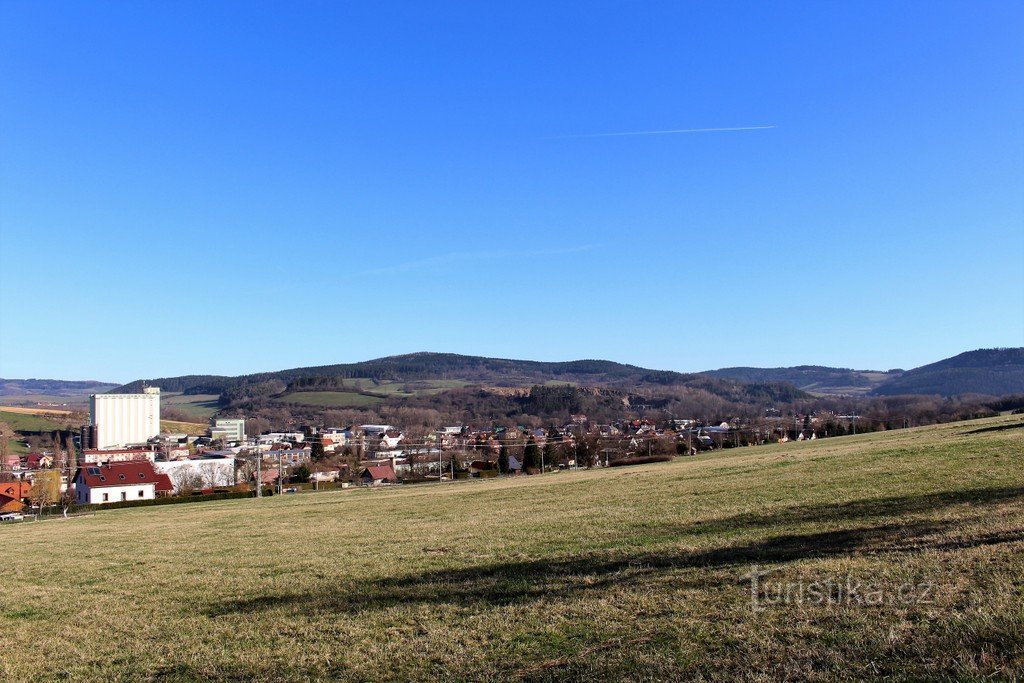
(995, 372)
(985, 371)
(52, 387)
(815, 379)
(436, 366)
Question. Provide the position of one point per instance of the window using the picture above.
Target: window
(141, 493)
(124, 495)
(106, 497)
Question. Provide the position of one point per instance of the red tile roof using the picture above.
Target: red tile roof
(124, 474)
(377, 472)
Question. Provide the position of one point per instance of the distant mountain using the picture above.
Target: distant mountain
(814, 379)
(51, 388)
(436, 366)
(986, 371)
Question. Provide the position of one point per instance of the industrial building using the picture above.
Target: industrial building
(228, 430)
(119, 420)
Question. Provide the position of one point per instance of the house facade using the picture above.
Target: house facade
(120, 481)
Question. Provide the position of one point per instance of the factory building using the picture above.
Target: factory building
(119, 420)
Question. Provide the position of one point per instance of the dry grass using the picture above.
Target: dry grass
(632, 573)
(177, 427)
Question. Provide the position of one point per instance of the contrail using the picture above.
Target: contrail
(657, 132)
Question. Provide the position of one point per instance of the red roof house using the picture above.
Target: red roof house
(13, 495)
(378, 474)
(120, 481)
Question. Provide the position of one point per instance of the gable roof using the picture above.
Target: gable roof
(124, 473)
(380, 472)
(15, 489)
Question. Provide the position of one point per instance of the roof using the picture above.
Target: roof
(124, 474)
(380, 472)
(15, 489)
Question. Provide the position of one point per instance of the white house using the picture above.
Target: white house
(120, 481)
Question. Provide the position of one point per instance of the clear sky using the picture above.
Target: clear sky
(223, 188)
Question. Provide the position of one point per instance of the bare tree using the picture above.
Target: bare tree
(45, 490)
(186, 480)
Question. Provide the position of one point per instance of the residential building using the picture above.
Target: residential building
(13, 495)
(120, 481)
(378, 474)
(93, 456)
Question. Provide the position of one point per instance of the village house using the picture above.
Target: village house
(120, 481)
(378, 474)
(94, 456)
(324, 473)
(13, 495)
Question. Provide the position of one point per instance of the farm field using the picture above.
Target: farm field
(330, 399)
(627, 573)
(175, 426)
(37, 421)
(196, 406)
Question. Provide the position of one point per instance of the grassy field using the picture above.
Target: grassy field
(194, 428)
(331, 399)
(631, 573)
(378, 393)
(195, 406)
(34, 422)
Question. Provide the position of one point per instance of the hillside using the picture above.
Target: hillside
(814, 379)
(638, 573)
(30, 391)
(985, 371)
(437, 366)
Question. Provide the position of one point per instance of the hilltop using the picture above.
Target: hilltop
(438, 366)
(985, 371)
(814, 379)
(994, 372)
(50, 390)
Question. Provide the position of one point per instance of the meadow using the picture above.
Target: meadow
(195, 406)
(914, 538)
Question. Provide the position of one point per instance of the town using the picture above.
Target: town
(123, 458)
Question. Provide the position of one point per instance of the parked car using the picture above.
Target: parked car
(11, 517)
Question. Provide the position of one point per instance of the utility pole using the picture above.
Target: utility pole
(280, 475)
(259, 472)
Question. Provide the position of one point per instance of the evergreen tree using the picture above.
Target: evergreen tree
(300, 474)
(503, 459)
(531, 455)
(316, 450)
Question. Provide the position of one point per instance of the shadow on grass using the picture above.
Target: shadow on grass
(995, 428)
(854, 511)
(507, 583)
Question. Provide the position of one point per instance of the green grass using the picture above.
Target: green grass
(199, 407)
(26, 422)
(331, 399)
(630, 573)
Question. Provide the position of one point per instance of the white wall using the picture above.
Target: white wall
(125, 418)
(214, 472)
(131, 492)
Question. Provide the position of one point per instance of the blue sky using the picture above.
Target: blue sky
(235, 187)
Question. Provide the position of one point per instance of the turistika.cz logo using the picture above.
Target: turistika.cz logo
(845, 591)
